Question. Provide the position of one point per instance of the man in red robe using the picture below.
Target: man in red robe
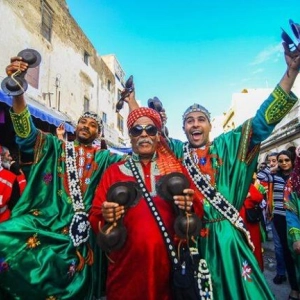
(9, 191)
(254, 198)
(141, 268)
(9, 164)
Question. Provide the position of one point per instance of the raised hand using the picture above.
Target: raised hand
(292, 57)
(60, 131)
(16, 65)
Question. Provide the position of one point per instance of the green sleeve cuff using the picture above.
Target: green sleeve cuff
(280, 106)
(294, 233)
(21, 122)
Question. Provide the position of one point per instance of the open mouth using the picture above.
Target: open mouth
(85, 131)
(196, 134)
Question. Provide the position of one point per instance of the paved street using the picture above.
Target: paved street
(281, 291)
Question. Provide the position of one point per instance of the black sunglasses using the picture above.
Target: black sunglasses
(138, 129)
(283, 160)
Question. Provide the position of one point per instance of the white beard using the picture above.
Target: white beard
(6, 164)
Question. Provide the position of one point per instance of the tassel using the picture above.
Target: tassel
(110, 260)
(81, 261)
(89, 260)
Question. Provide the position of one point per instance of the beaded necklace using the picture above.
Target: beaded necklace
(85, 161)
(212, 195)
(80, 226)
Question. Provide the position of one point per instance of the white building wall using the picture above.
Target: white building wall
(62, 59)
(245, 105)
(115, 67)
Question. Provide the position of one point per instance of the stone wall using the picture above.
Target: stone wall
(64, 77)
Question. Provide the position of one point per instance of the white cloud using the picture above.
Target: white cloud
(260, 70)
(269, 53)
(245, 79)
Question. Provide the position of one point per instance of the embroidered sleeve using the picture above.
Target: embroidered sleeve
(293, 224)
(247, 151)
(21, 122)
(295, 233)
(280, 106)
(270, 113)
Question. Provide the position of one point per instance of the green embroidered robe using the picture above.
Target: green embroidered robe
(235, 273)
(37, 256)
(292, 205)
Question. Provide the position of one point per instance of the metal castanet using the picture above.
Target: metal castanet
(16, 84)
(112, 236)
(157, 105)
(187, 224)
(296, 29)
(129, 88)
(287, 39)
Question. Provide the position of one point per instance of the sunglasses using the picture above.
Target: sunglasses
(138, 129)
(284, 160)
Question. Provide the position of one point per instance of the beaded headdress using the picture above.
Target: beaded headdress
(92, 115)
(196, 107)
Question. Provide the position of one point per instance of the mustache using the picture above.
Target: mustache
(85, 129)
(144, 140)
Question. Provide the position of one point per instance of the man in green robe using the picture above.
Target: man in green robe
(222, 171)
(47, 250)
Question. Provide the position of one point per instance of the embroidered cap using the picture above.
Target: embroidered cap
(92, 115)
(144, 112)
(196, 107)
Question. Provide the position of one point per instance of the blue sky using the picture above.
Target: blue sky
(187, 52)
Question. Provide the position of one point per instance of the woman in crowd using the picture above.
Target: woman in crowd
(292, 205)
(285, 167)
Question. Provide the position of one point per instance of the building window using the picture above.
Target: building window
(47, 20)
(32, 76)
(86, 104)
(120, 123)
(108, 84)
(86, 57)
(104, 118)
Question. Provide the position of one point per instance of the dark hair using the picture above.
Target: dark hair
(272, 154)
(292, 149)
(295, 176)
(288, 154)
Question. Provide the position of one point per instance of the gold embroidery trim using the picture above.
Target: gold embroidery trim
(38, 147)
(295, 233)
(245, 140)
(21, 122)
(280, 106)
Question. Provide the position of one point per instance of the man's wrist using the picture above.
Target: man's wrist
(293, 71)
